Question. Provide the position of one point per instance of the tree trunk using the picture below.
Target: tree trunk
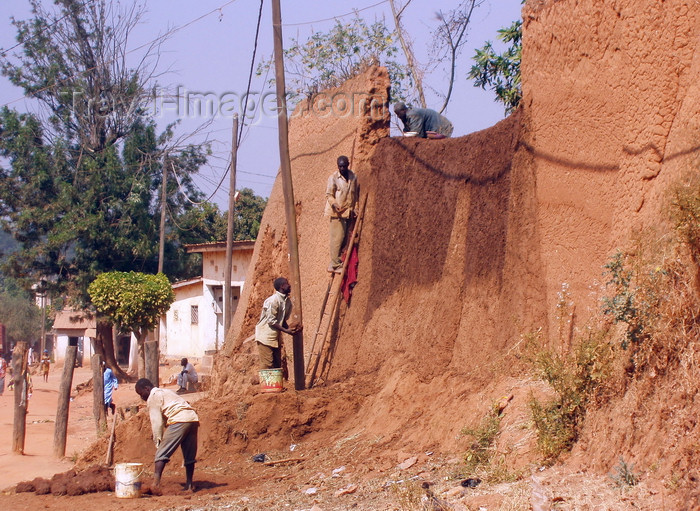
(105, 340)
(19, 376)
(151, 349)
(141, 361)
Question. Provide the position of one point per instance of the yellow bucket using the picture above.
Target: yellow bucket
(271, 380)
(128, 480)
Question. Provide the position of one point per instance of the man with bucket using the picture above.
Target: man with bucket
(174, 423)
(273, 320)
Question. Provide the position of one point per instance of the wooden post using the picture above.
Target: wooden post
(110, 445)
(163, 207)
(151, 348)
(98, 394)
(289, 206)
(228, 302)
(19, 375)
(61, 430)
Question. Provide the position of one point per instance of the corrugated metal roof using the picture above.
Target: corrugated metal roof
(69, 319)
(219, 246)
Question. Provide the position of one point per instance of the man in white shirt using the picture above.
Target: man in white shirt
(273, 320)
(174, 423)
(341, 205)
(187, 375)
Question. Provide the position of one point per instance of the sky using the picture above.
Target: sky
(209, 52)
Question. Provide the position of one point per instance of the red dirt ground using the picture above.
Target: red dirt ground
(467, 244)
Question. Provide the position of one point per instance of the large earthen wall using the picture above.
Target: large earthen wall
(468, 242)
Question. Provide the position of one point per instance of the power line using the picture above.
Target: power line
(334, 17)
(150, 43)
(3, 51)
(250, 75)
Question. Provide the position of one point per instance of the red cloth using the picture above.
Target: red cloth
(350, 278)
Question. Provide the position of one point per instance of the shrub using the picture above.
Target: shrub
(575, 378)
(481, 450)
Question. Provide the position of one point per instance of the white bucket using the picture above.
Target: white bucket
(128, 480)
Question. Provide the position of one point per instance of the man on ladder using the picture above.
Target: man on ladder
(341, 207)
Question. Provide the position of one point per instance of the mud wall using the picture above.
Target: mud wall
(346, 121)
(611, 103)
(467, 242)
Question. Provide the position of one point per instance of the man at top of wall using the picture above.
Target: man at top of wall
(424, 122)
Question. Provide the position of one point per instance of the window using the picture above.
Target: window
(194, 314)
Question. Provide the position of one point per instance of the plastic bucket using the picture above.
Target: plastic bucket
(271, 380)
(128, 480)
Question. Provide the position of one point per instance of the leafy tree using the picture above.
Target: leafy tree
(79, 184)
(207, 223)
(327, 59)
(21, 317)
(134, 302)
(249, 211)
(501, 73)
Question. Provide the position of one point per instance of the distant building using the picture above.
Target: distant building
(194, 325)
(74, 328)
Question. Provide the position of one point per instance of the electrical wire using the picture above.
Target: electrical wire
(150, 43)
(334, 17)
(250, 75)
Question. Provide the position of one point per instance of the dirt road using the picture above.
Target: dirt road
(38, 459)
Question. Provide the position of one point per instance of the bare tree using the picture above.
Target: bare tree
(75, 63)
(450, 38)
(407, 46)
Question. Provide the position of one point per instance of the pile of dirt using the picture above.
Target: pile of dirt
(91, 480)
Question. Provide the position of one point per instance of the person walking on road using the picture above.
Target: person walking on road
(111, 384)
(174, 424)
(44, 365)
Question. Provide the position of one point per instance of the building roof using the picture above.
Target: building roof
(188, 282)
(219, 246)
(75, 321)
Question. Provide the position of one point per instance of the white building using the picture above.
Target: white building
(194, 325)
(73, 328)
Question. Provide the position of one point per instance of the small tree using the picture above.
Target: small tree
(501, 73)
(134, 302)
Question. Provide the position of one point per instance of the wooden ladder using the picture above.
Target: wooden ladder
(319, 347)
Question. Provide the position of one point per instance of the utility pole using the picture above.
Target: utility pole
(163, 206)
(228, 302)
(408, 51)
(161, 248)
(290, 211)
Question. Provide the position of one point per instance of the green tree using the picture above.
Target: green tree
(249, 211)
(80, 183)
(21, 317)
(134, 302)
(327, 59)
(501, 72)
